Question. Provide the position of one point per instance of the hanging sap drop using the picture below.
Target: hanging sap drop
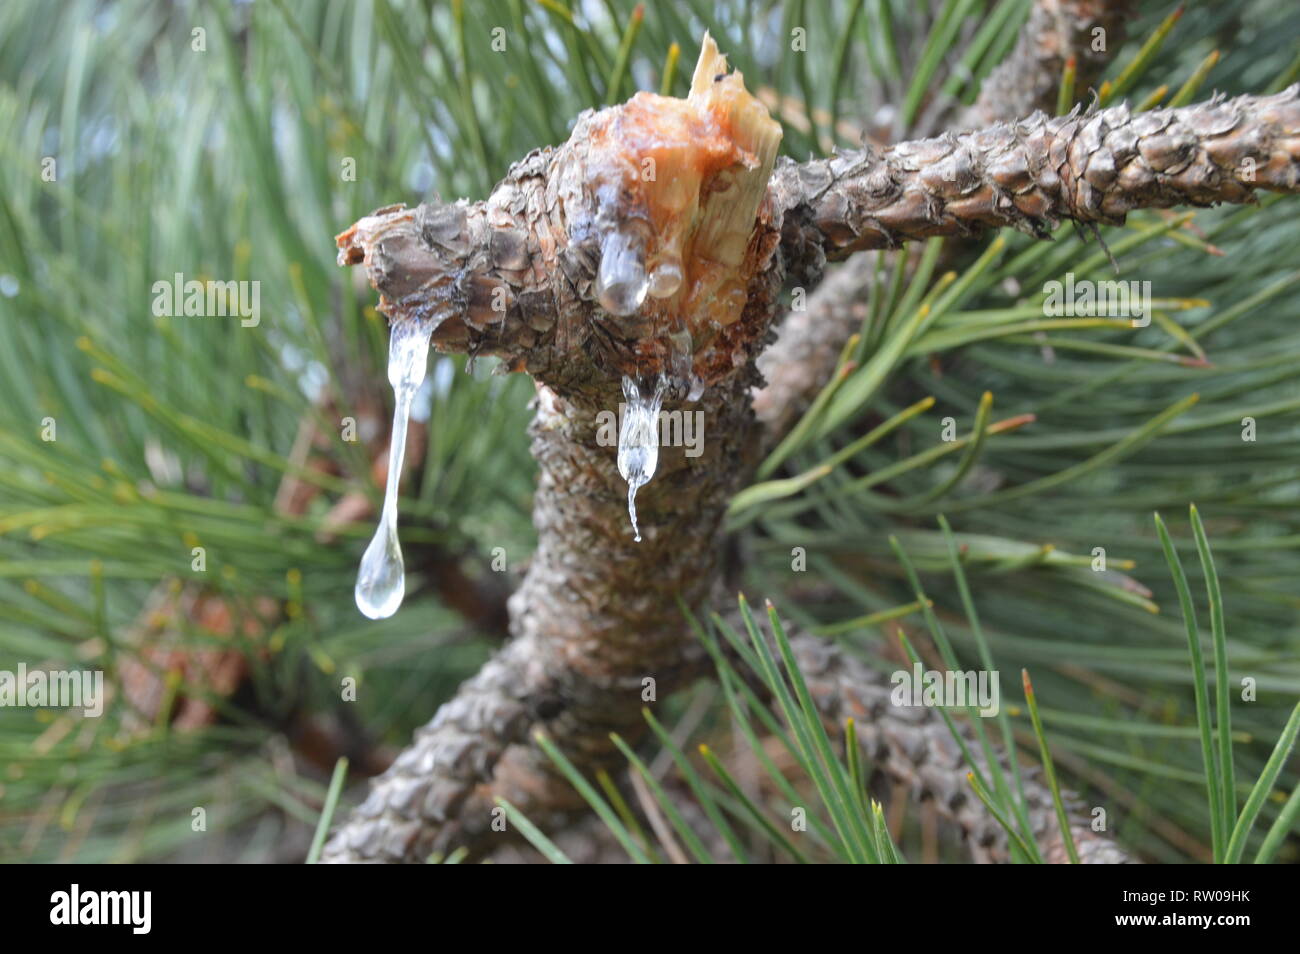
(638, 442)
(622, 283)
(381, 582)
(666, 278)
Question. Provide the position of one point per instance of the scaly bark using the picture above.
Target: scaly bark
(513, 276)
(595, 616)
(1031, 175)
(516, 276)
(912, 747)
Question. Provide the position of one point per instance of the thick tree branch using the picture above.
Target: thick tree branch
(597, 614)
(1092, 167)
(514, 275)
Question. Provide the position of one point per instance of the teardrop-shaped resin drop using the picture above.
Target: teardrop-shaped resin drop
(666, 278)
(381, 581)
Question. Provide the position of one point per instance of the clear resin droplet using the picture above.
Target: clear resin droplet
(381, 581)
(665, 278)
(622, 283)
(638, 442)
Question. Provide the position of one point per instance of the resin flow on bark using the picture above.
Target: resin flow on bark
(636, 264)
(381, 580)
(677, 184)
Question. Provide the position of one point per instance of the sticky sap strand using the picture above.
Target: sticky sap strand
(638, 442)
(381, 581)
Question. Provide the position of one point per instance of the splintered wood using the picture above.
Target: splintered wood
(679, 183)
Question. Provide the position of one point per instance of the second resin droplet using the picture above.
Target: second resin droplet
(638, 442)
(381, 581)
(666, 278)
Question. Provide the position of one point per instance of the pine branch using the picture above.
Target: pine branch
(1089, 168)
(527, 275)
(514, 275)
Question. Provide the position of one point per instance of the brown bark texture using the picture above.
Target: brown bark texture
(518, 276)
(1032, 174)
